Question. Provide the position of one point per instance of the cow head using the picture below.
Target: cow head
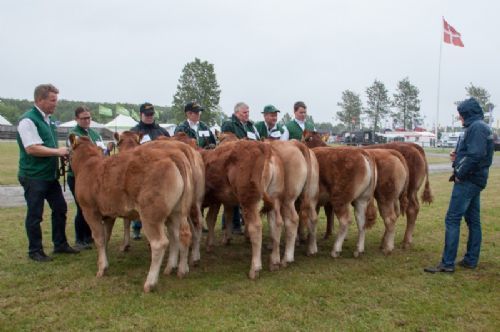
(128, 140)
(227, 137)
(312, 139)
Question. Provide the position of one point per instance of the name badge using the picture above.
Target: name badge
(251, 135)
(275, 134)
(203, 133)
(101, 145)
(145, 139)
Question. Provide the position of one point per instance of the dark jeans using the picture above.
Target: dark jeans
(35, 193)
(83, 234)
(464, 202)
(236, 218)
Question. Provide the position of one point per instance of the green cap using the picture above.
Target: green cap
(270, 109)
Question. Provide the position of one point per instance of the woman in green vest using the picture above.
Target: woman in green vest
(83, 234)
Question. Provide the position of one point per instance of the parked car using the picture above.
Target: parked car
(496, 142)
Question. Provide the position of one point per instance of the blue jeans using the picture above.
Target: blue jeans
(35, 194)
(464, 202)
(236, 219)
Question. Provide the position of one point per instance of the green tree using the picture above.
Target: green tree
(407, 104)
(286, 118)
(198, 83)
(324, 127)
(378, 104)
(350, 115)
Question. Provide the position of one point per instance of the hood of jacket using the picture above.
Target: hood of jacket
(470, 111)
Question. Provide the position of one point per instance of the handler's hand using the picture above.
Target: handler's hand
(62, 151)
(452, 155)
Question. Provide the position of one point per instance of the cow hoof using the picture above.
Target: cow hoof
(335, 254)
(182, 274)
(209, 249)
(195, 263)
(406, 245)
(386, 252)
(125, 248)
(226, 242)
(357, 254)
(168, 270)
(148, 288)
(274, 266)
(253, 274)
(269, 246)
(284, 264)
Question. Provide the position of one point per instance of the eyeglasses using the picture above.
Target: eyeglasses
(85, 118)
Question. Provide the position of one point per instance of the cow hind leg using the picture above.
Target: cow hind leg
(228, 225)
(389, 216)
(158, 242)
(275, 225)
(196, 230)
(252, 219)
(99, 236)
(185, 239)
(329, 221)
(360, 210)
(411, 218)
(344, 221)
(173, 250)
(212, 214)
(291, 220)
(126, 235)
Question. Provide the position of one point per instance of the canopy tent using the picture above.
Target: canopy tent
(4, 121)
(72, 123)
(170, 127)
(121, 123)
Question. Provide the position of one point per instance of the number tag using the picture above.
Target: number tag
(251, 135)
(145, 139)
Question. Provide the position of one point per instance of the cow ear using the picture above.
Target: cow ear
(116, 136)
(72, 139)
(139, 137)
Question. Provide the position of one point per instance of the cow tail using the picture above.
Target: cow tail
(262, 174)
(305, 201)
(403, 198)
(371, 211)
(427, 196)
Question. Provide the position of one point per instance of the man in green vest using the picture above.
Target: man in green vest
(239, 124)
(270, 128)
(195, 128)
(83, 234)
(299, 123)
(38, 173)
(242, 127)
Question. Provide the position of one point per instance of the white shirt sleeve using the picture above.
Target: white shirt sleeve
(28, 133)
(286, 135)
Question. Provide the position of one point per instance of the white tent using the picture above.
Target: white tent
(121, 123)
(170, 127)
(4, 121)
(72, 123)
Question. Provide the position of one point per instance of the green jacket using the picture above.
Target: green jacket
(235, 126)
(91, 133)
(203, 136)
(263, 132)
(295, 130)
(40, 168)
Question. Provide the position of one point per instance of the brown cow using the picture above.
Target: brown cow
(417, 165)
(120, 186)
(347, 177)
(418, 173)
(130, 140)
(243, 173)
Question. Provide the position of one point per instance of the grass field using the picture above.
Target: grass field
(371, 293)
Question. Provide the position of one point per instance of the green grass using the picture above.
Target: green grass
(9, 159)
(372, 293)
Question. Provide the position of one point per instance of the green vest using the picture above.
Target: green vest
(39, 168)
(295, 130)
(79, 131)
(262, 129)
(235, 126)
(201, 139)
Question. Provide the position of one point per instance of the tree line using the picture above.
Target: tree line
(198, 82)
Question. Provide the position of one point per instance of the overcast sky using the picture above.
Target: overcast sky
(264, 52)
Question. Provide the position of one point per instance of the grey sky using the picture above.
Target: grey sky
(264, 52)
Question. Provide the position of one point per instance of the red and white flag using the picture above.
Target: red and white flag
(451, 36)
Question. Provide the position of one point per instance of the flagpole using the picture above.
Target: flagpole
(439, 83)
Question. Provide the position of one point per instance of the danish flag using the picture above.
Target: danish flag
(451, 36)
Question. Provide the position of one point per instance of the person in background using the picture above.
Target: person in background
(299, 123)
(150, 130)
(195, 128)
(471, 162)
(270, 128)
(83, 234)
(242, 127)
(38, 173)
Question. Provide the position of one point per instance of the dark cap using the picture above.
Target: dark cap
(147, 109)
(270, 109)
(193, 107)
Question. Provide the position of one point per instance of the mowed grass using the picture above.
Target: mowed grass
(9, 161)
(371, 293)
